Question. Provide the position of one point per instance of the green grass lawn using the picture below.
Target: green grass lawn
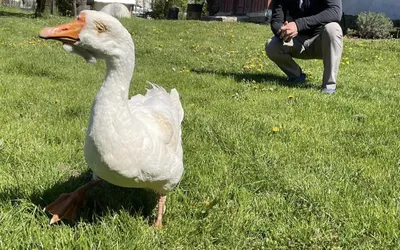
(328, 178)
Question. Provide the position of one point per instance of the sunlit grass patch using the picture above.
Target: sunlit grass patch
(267, 165)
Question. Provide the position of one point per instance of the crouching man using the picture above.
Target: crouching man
(307, 29)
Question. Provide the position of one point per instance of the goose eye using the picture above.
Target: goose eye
(100, 26)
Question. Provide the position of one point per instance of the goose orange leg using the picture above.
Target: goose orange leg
(66, 206)
(161, 210)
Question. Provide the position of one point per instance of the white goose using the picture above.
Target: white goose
(130, 142)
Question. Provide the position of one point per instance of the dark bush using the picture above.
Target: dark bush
(373, 25)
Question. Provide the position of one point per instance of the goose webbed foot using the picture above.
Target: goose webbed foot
(67, 205)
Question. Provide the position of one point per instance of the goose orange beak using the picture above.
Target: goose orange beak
(66, 33)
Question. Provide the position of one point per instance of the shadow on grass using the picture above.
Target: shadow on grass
(14, 14)
(256, 78)
(103, 199)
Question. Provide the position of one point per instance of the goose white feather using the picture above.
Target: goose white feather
(130, 142)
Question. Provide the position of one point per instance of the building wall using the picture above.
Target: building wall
(23, 4)
(350, 7)
(390, 7)
(147, 4)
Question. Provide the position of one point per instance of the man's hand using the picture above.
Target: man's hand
(288, 31)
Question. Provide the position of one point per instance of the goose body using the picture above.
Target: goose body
(132, 142)
(140, 146)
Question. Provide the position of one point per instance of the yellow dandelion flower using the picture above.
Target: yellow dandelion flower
(275, 129)
(57, 101)
(207, 203)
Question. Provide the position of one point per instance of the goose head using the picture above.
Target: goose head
(93, 35)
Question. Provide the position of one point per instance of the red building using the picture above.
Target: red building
(242, 7)
(251, 10)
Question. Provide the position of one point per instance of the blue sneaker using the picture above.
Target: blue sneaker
(328, 91)
(299, 79)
